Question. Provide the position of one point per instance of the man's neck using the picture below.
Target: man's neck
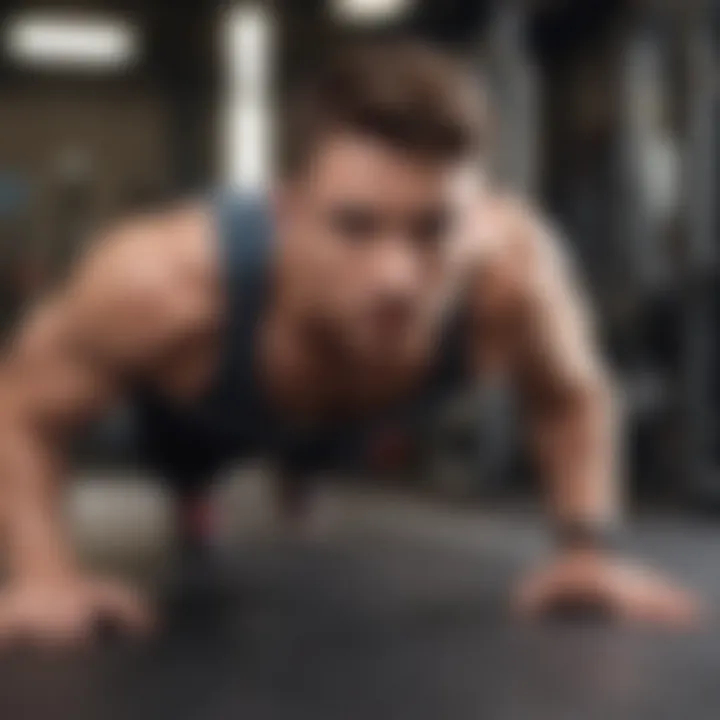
(308, 370)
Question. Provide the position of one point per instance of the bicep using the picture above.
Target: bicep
(51, 377)
(74, 354)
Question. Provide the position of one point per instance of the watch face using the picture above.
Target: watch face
(589, 535)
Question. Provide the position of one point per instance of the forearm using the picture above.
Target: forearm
(576, 449)
(32, 523)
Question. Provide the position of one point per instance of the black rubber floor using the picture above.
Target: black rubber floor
(375, 628)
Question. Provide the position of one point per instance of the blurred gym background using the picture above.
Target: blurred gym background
(605, 113)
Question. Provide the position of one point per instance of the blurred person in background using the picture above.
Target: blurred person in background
(379, 274)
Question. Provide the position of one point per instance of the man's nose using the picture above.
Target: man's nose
(397, 269)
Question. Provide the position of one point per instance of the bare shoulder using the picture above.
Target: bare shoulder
(519, 255)
(143, 256)
(142, 284)
(532, 299)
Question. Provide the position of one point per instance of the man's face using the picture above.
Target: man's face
(373, 236)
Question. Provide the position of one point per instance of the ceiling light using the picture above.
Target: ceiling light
(370, 11)
(71, 41)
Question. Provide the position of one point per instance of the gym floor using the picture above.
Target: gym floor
(397, 612)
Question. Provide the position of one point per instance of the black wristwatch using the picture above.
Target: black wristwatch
(587, 535)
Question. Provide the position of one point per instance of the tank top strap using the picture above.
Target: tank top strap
(245, 237)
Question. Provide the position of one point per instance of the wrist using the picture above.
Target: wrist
(39, 552)
(586, 536)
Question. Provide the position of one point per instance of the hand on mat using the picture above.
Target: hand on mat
(589, 582)
(68, 610)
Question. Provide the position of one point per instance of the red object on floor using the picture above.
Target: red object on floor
(197, 517)
(391, 449)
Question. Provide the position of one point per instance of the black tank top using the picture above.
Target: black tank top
(232, 420)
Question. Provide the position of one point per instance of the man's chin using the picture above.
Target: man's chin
(384, 347)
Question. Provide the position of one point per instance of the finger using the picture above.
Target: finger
(677, 607)
(6, 625)
(41, 631)
(71, 629)
(660, 604)
(533, 595)
(12, 619)
(125, 606)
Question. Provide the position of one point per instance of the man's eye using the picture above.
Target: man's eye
(430, 229)
(355, 224)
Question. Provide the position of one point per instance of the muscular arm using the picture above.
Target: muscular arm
(37, 410)
(537, 324)
(125, 309)
(567, 391)
(540, 325)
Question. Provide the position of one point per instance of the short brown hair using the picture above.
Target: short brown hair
(402, 92)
